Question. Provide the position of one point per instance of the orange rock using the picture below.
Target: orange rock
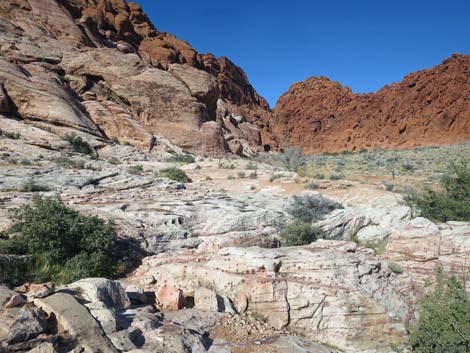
(170, 298)
(429, 107)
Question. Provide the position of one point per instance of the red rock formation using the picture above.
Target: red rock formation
(429, 107)
(101, 67)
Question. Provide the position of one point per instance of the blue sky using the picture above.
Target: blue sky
(362, 44)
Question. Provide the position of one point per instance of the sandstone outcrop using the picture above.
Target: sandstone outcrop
(102, 69)
(429, 107)
(333, 292)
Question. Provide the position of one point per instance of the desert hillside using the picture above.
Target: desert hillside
(429, 107)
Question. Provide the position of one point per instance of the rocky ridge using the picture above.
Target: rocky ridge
(428, 108)
(102, 70)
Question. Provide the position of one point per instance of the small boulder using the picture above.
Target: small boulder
(170, 298)
(125, 47)
(29, 324)
(45, 347)
(37, 290)
(240, 301)
(205, 299)
(15, 300)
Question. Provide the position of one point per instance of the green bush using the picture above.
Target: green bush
(311, 207)
(453, 204)
(78, 144)
(135, 169)
(181, 158)
(444, 320)
(300, 233)
(31, 186)
(174, 174)
(63, 244)
(69, 163)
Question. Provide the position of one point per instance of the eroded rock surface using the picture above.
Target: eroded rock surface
(429, 107)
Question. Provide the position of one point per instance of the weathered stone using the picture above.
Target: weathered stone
(103, 298)
(44, 348)
(29, 323)
(170, 298)
(205, 299)
(15, 300)
(76, 319)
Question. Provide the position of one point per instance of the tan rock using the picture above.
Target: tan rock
(205, 299)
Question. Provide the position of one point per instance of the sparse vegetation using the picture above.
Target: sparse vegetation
(174, 174)
(395, 268)
(11, 135)
(241, 175)
(311, 207)
(78, 144)
(311, 185)
(292, 158)
(32, 186)
(135, 169)
(274, 177)
(444, 320)
(63, 245)
(300, 233)
(253, 175)
(181, 158)
(452, 204)
(251, 166)
(69, 163)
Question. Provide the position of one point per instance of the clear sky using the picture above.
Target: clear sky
(362, 44)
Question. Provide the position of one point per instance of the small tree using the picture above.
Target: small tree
(444, 320)
(453, 204)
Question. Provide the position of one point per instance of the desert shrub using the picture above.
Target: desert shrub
(208, 178)
(311, 207)
(408, 166)
(292, 158)
(274, 177)
(452, 204)
(11, 135)
(251, 166)
(319, 176)
(241, 175)
(69, 163)
(444, 320)
(312, 185)
(230, 177)
(253, 175)
(174, 174)
(395, 268)
(337, 176)
(78, 144)
(388, 186)
(135, 169)
(115, 140)
(181, 158)
(63, 244)
(31, 186)
(300, 233)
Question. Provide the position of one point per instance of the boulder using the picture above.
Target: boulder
(170, 298)
(29, 323)
(103, 298)
(76, 319)
(206, 299)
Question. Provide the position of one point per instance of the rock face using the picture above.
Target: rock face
(331, 291)
(420, 247)
(429, 107)
(102, 68)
